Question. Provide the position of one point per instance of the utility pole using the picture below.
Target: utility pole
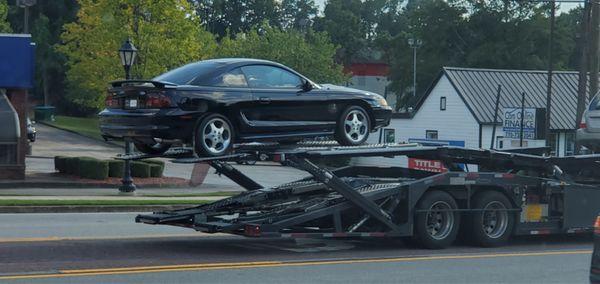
(414, 44)
(583, 67)
(550, 71)
(594, 46)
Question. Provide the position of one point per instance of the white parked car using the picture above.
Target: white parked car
(588, 133)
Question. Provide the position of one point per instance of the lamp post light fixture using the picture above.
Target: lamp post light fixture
(414, 44)
(127, 52)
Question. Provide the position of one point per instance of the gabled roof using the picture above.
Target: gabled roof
(478, 89)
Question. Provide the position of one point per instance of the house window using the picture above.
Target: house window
(431, 134)
(443, 103)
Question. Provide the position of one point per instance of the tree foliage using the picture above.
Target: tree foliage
(167, 34)
(310, 54)
(4, 26)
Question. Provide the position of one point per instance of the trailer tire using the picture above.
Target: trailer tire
(436, 229)
(490, 228)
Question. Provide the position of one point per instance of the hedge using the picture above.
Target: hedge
(93, 168)
(157, 168)
(60, 164)
(72, 166)
(115, 168)
(140, 169)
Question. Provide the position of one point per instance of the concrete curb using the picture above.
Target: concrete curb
(17, 184)
(91, 208)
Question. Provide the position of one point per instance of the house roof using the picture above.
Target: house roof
(478, 89)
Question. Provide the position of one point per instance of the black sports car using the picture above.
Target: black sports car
(216, 103)
(595, 269)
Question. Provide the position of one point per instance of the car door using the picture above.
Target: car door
(280, 104)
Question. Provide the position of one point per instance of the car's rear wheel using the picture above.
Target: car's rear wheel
(155, 148)
(353, 126)
(214, 136)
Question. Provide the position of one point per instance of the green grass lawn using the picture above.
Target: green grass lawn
(86, 126)
(18, 202)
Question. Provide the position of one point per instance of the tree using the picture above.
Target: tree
(4, 26)
(311, 54)
(222, 17)
(297, 14)
(167, 34)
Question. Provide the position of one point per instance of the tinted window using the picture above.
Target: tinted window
(262, 76)
(234, 78)
(184, 75)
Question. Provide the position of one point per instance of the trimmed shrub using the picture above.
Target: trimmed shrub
(140, 169)
(156, 171)
(72, 166)
(93, 168)
(115, 168)
(60, 164)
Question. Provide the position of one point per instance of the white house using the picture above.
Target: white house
(458, 109)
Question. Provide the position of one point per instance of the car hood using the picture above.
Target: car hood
(330, 87)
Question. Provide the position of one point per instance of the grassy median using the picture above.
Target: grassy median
(86, 126)
(19, 202)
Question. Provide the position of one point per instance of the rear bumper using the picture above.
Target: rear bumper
(588, 139)
(165, 124)
(383, 116)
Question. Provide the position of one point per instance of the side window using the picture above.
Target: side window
(595, 104)
(233, 78)
(262, 76)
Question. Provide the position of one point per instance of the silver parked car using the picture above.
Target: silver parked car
(588, 133)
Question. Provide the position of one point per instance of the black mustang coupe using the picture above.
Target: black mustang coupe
(216, 103)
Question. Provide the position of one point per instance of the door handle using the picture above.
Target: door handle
(264, 100)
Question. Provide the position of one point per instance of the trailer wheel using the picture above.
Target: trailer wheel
(494, 225)
(436, 226)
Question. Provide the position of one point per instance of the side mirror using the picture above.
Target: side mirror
(307, 86)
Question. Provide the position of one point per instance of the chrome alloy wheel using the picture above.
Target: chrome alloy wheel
(216, 136)
(355, 126)
(440, 220)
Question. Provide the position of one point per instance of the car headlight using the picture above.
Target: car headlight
(382, 102)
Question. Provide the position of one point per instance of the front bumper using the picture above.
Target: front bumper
(383, 116)
(170, 124)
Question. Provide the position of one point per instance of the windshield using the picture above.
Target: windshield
(184, 75)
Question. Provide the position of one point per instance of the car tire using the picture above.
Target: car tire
(435, 227)
(490, 228)
(157, 148)
(213, 136)
(353, 126)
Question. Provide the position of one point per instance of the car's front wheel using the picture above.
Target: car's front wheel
(353, 126)
(214, 136)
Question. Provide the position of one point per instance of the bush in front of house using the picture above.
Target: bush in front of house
(60, 164)
(115, 168)
(93, 168)
(140, 169)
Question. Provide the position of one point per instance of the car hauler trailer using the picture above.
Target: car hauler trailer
(510, 194)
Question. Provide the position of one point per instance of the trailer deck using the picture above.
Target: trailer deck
(538, 196)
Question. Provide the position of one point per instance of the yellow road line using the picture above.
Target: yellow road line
(238, 265)
(54, 239)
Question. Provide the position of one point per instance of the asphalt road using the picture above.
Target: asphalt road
(110, 248)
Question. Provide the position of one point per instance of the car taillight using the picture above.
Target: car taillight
(582, 125)
(111, 102)
(157, 101)
(597, 226)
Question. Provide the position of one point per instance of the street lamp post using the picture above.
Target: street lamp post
(414, 44)
(127, 53)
